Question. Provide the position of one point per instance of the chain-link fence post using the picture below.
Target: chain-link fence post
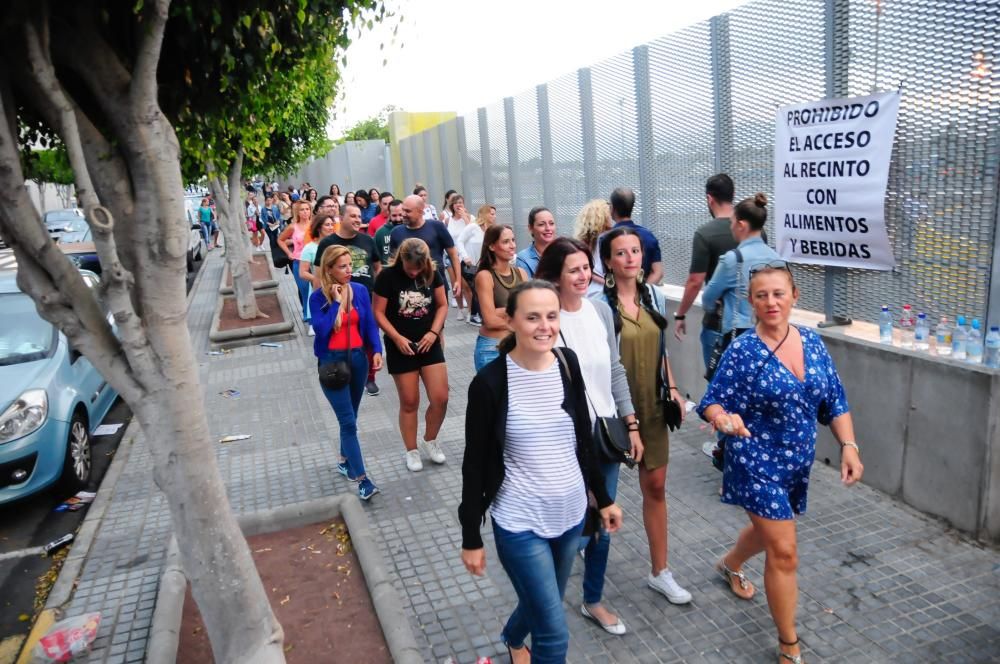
(513, 161)
(443, 144)
(588, 134)
(644, 126)
(484, 142)
(545, 140)
(463, 155)
(721, 91)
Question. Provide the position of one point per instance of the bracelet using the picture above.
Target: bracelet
(680, 316)
(633, 427)
(434, 333)
(674, 387)
(850, 443)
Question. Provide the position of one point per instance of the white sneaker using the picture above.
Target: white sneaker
(433, 450)
(453, 302)
(460, 315)
(664, 583)
(311, 332)
(413, 462)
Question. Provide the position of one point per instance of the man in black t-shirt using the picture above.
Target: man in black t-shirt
(365, 264)
(710, 242)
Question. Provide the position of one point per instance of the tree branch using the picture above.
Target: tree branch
(151, 43)
(118, 281)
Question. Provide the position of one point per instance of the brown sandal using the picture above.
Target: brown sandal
(737, 581)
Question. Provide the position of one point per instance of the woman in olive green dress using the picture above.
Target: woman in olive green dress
(640, 320)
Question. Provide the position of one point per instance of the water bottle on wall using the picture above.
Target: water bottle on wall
(885, 326)
(942, 337)
(922, 333)
(974, 346)
(991, 357)
(906, 328)
(958, 339)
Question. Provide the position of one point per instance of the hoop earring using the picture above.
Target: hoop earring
(639, 277)
(609, 280)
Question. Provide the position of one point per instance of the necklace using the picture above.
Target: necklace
(783, 339)
(506, 284)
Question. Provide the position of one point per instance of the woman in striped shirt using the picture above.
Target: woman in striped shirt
(530, 459)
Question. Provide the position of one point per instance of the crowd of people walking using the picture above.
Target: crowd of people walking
(573, 378)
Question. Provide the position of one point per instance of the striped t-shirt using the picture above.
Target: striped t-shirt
(543, 490)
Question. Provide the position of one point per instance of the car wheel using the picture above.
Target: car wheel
(78, 465)
(190, 262)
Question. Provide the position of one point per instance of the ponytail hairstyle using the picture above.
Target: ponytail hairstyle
(483, 215)
(508, 343)
(416, 252)
(487, 259)
(330, 256)
(611, 293)
(752, 210)
(550, 265)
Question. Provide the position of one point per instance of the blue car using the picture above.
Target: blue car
(51, 397)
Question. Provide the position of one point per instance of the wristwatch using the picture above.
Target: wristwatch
(680, 316)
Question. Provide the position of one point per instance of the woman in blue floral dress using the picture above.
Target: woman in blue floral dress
(773, 384)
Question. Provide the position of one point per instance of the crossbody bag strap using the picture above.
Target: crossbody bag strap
(562, 361)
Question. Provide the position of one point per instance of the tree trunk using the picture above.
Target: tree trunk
(228, 206)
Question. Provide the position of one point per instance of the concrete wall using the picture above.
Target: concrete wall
(928, 427)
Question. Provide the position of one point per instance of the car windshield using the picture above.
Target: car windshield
(63, 218)
(75, 235)
(24, 336)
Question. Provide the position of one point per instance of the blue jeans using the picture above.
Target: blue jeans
(538, 569)
(486, 351)
(345, 403)
(708, 339)
(303, 286)
(597, 548)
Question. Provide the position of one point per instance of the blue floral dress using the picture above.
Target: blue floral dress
(768, 473)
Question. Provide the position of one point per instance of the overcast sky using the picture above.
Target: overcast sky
(458, 55)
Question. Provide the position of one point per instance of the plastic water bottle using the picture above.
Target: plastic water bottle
(942, 337)
(885, 326)
(922, 333)
(959, 338)
(974, 346)
(991, 357)
(906, 328)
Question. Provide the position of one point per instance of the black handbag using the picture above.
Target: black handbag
(610, 433)
(336, 374)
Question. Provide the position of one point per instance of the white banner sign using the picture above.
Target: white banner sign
(831, 166)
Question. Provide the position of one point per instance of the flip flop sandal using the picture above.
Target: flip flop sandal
(794, 659)
(738, 582)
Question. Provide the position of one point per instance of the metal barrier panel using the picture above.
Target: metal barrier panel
(436, 186)
(615, 126)
(529, 156)
(941, 203)
(406, 153)
(472, 160)
(567, 150)
(500, 168)
(778, 57)
(680, 75)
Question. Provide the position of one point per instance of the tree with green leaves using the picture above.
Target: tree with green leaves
(49, 166)
(373, 128)
(114, 81)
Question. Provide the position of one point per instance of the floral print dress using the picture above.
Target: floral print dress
(768, 473)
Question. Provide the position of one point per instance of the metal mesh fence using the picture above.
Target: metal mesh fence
(707, 96)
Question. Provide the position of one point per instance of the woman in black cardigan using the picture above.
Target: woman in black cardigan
(530, 459)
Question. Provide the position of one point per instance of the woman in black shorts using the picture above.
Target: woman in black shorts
(411, 306)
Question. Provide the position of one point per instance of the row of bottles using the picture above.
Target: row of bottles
(959, 341)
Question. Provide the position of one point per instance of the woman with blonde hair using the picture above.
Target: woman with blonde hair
(343, 321)
(593, 220)
(292, 240)
(470, 247)
(411, 306)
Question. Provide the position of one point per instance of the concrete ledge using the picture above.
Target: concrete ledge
(257, 285)
(254, 331)
(165, 629)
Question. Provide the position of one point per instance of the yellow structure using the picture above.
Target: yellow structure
(403, 125)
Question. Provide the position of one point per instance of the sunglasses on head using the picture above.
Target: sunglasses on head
(770, 265)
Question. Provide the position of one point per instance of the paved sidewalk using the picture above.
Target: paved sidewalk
(879, 582)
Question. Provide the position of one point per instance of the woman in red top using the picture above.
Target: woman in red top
(344, 323)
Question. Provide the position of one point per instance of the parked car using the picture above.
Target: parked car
(51, 397)
(58, 221)
(196, 238)
(78, 245)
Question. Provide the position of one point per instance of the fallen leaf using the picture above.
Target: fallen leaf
(285, 600)
(262, 550)
(24, 617)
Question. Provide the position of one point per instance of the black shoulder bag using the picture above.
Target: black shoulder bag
(336, 374)
(610, 433)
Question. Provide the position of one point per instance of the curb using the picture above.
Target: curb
(165, 629)
(254, 331)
